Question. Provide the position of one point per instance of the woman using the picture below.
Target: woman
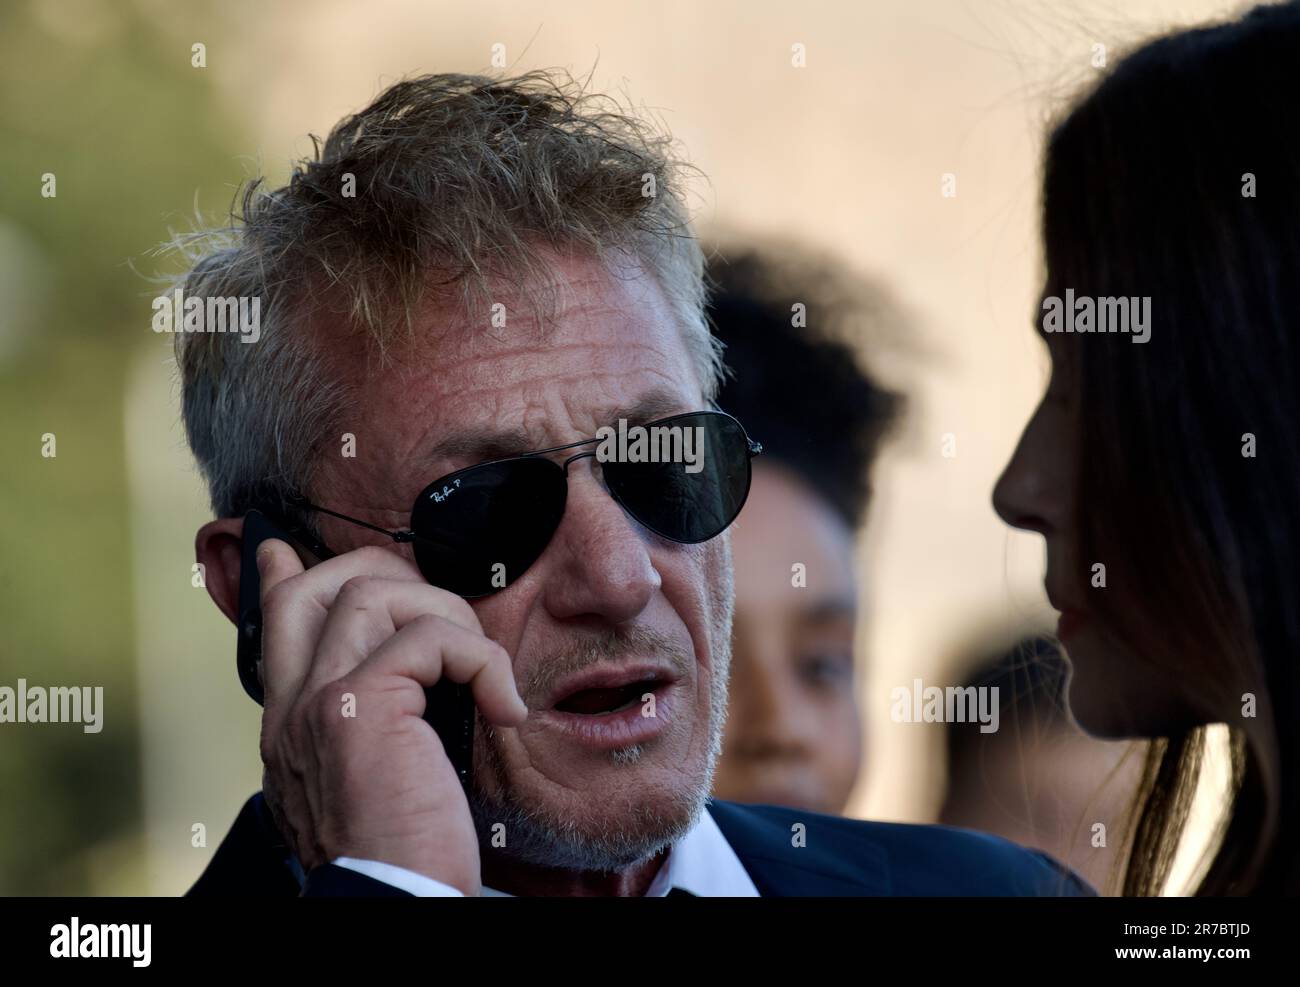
(1165, 475)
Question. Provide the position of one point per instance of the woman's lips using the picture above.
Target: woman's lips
(1071, 619)
(1069, 624)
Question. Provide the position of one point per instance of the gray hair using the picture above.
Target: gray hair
(459, 181)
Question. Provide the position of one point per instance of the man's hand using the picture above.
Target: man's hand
(377, 785)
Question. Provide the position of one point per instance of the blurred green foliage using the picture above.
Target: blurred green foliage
(134, 135)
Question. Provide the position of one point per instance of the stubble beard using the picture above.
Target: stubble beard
(534, 833)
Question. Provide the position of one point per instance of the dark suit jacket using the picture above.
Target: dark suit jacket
(841, 857)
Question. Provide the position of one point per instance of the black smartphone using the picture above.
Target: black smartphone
(449, 706)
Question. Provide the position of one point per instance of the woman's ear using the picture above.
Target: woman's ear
(218, 546)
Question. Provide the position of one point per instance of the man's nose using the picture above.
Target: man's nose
(600, 562)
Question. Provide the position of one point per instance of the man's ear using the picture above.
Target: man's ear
(219, 547)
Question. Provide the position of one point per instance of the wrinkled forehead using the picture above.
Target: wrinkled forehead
(503, 377)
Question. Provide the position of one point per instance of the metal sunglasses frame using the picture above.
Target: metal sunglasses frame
(406, 535)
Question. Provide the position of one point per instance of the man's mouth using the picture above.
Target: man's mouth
(612, 706)
(592, 702)
(609, 689)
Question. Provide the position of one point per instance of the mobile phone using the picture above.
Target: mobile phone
(449, 706)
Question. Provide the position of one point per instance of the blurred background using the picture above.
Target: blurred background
(845, 153)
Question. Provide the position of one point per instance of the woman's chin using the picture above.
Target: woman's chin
(1113, 695)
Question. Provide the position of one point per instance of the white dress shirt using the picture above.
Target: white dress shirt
(701, 862)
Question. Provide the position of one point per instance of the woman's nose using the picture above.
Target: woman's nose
(1028, 494)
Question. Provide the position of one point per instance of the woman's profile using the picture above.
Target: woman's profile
(1165, 476)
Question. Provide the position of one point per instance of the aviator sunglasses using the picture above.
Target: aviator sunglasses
(479, 529)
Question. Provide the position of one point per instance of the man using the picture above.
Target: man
(794, 730)
(471, 270)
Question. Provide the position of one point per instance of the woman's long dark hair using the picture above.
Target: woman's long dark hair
(1178, 178)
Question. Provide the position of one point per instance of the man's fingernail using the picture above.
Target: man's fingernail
(263, 555)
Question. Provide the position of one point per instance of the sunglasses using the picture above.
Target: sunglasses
(477, 530)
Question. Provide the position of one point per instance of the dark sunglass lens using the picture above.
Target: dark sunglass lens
(690, 478)
(478, 530)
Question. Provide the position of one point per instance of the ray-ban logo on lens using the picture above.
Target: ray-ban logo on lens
(1087, 314)
(651, 444)
(235, 313)
(447, 490)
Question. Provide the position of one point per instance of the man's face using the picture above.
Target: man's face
(574, 789)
